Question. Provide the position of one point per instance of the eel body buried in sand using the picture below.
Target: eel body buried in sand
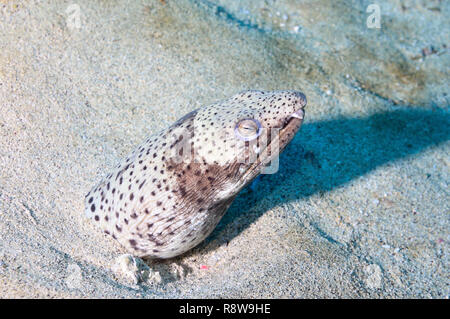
(169, 194)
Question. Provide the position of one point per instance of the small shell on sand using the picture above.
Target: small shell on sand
(135, 269)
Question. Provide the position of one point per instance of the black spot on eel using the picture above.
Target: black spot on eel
(170, 193)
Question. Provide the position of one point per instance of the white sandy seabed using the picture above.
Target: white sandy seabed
(359, 207)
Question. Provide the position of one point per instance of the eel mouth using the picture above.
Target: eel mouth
(293, 122)
(276, 144)
(287, 132)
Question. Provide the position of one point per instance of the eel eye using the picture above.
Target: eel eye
(247, 129)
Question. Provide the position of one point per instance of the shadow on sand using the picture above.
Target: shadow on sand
(328, 154)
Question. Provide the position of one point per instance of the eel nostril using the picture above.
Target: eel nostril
(301, 98)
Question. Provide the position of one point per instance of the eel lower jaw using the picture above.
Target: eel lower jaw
(299, 114)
